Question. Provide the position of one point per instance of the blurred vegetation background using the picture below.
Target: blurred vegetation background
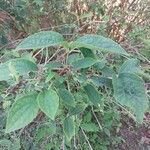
(119, 19)
(125, 21)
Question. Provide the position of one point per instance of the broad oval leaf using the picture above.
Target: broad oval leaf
(130, 66)
(19, 66)
(67, 97)
(100, 65)
(129, 91)
(22, 112)
(41, 39)
(84, 63)
(97, 42)
(48, 102)
(69, 127)
(73, 57)
(93, 95)
(108, 71)
(23, 66)
(101, 81)
(87, 52)
(78, 109)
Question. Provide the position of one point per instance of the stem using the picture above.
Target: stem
(75, 143)
(129, 113)
(96, 119)
(63, 145)
(86, 138)
(46, 58)
(53, 56)
(38, 52)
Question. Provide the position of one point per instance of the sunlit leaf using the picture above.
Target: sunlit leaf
(22, 112)
(16, 66)
(78, 109)
(66, 97)
(69, 127)
(87, 52)
(93, 95)
(97, 42)
(50, 76)
(84, 63)
(130, 66)
(48, 102)
(129, 91)
(101, 81)
(41, 40)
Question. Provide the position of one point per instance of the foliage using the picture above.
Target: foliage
(69, 84)
(65, 94)
(109, 18)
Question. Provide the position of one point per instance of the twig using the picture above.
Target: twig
(96, 119)
(53, 56)
(46, 57)
(74, 141)
(129, 113)
(63, 145)
(38, 52)
(86, 138)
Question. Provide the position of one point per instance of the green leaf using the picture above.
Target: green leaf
(6, 143)
(78, 109)
(67, 97)
(16, 145)
(129, 91)
(73, 57)
(16, 66)
(23, 66)
(50, 76)
(87, 117)
(101, 81)
(93, 95)
(4, 72)
(90, 127)
(69, 127)
(54, 65)
(97, 42)
(44, 131)
(81, 78)
(108, 72)
(87, 52)
(84, 63)
(100, 65)
(130, 66)
(48, 102)
(40, 40)
(22, 112)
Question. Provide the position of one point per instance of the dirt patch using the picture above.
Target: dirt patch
(135, 138)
